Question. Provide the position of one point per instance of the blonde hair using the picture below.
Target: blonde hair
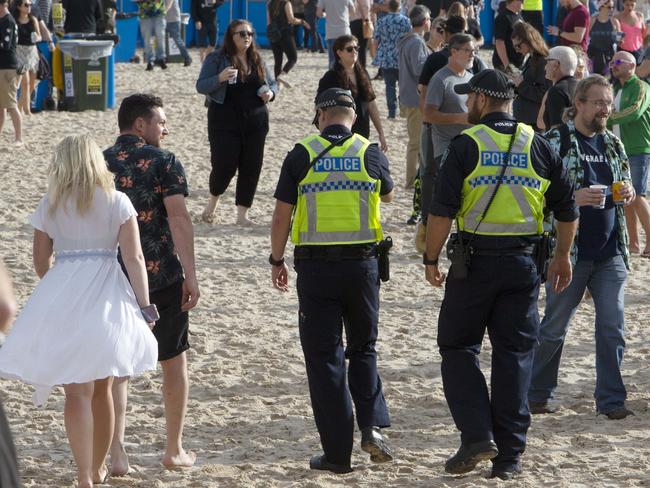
(77, 168)
(457, 8)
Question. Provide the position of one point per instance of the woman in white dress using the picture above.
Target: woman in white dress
(82, 324)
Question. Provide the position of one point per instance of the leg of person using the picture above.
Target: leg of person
(321, 329)
(513, 327)
(289, 48)
(417, 193)
(558, 313)
(17, 121)
(212, 36)
(607, 287)
(174, 31)
(356, 28)
(78, 416)
(330, 52)
(9, 475)
(103, 425)
(204, 41)
(276, 48)
(119, 459)
(159, 32)
(535, 18)
(361, 317)
(3, 113)
(391, 76)
(23, 101)
(639, 169)
(427, 170)
(9, 80)
(631, 222)
(171, 332)
(414, 130)
(146, 29)
(250, 166)
(461, 325)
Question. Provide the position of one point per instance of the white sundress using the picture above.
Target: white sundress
(82, 321)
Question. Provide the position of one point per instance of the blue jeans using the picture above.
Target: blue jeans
(639, 164)
(391, 75)
(174, 31)
(606, 282)
(151, 27)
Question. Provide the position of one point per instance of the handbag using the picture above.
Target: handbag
(368, 29)
(43, 72)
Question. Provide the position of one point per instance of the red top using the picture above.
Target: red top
(578, 17)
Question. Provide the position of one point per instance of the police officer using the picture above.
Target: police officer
(332, 184)
(494, 278)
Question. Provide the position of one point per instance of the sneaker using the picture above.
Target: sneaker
(469, 456)
(413, 219)
(619, 413)
(284, 82)
(187, 62)
(162, 63)
(540, 408)
(149, 66)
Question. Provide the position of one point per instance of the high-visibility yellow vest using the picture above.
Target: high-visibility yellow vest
(533, 5)
(518, 206)
(338, 201)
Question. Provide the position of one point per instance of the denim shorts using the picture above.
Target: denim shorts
(639, 164)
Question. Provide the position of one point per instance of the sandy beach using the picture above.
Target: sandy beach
(249, 418)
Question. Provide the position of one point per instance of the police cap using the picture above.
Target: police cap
(335, 97)
(490, 82)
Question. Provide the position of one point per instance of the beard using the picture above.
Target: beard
(473, 114)
(597, 124)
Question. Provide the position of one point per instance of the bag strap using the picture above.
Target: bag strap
(322, 153)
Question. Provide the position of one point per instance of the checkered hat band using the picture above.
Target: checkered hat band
(507, 180)
(494, 94)
(337, 186)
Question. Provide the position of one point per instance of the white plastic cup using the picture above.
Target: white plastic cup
(233, 79)
(603, 189)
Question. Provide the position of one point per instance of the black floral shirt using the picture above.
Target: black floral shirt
(147, 175)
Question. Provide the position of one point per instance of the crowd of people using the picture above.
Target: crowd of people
(552, 143)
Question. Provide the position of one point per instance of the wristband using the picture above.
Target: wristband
(429, 262)
(273, 262)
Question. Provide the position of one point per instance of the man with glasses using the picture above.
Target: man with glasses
(495, 180)
(592, 156)
(631, 121)
(561, 65)
(505, 57)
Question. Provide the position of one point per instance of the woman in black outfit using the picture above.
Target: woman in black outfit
(238, 85)
(280, 15)
(348, 74)
(532, 83)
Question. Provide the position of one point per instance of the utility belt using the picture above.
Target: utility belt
(353, 252)
(460, 252)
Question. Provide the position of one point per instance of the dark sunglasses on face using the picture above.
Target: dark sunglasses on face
(351, 48)
(245, 34)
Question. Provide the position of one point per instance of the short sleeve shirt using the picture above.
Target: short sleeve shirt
(503, 27)
(151, 8)
(390, 29)
(577, 17)
(337, 20)
(148, 175)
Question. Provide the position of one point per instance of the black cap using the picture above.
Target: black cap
(489, 82)
(335, 97)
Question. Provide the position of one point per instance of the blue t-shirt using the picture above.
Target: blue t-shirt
(597, 234)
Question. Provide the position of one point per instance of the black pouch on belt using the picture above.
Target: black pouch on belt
(544, 252)
(383, 249)
(460, 255)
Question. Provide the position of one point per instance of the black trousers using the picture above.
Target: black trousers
(534, 18)
(333, 296)
(239, 149)
(356, 27)
(499, 295)
(286, 45)
(9, 476)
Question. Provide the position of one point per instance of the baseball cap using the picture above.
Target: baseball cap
(490, 82)
(334, 97)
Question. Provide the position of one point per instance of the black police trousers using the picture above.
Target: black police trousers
(500, 295)
(334, 295)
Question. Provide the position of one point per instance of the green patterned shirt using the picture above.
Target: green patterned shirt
(151, 8)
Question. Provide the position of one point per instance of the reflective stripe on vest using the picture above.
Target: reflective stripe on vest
(521, 186)
(333, 166)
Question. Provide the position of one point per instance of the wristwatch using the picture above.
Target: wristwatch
(429, 262)
(274, 262)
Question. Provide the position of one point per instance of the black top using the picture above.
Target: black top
(432, 5)
(25, 32)
(205, 10)
(602, 37)
(279, 16)
(8, 42)
(503, 25)
(438, 60)
(82, 16)
(473, 29)
(559, 98)
(297, 161)
(462, 157)
(531, 90)
(361, 99)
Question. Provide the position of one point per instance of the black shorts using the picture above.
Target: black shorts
(172, 328)
(208, 34)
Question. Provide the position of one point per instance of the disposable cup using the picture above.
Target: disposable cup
(603, 189)
(233, 79)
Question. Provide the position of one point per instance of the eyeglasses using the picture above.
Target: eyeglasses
(245, 34)
(351, 48)
(551, 59)
(27, 5)
(618, 62)
(601, 103)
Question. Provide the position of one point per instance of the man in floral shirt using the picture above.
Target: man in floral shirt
(591, 155)
(154, 181)
(152, 24)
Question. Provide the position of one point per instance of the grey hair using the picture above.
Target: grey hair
(418, 15)
(567, 58)
(582, 88)
(458, 40)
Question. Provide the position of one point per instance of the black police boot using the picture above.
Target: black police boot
(321, 463)
(469, 455)
(505, 474)
(374, 443)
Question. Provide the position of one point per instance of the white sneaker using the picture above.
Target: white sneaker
(284, 82)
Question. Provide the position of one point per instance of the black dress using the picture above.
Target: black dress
(361, 99)
(530, 91)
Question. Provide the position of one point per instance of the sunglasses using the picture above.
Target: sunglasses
(618, 62)
(244, 34)
(351, 48)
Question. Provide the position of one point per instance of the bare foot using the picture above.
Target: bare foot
(101, 476)
(208, 218)
(245, 222)
(120, 463)
(634, 249)
(183, 460)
